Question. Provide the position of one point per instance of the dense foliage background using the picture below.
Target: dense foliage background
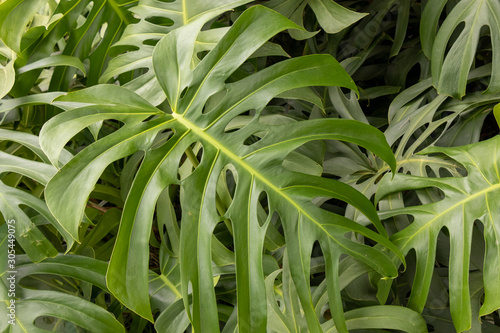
(251, 166)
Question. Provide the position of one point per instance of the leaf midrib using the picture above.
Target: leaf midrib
(171, 286)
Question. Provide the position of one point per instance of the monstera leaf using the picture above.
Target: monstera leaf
(47, 24)
(466, 199)
(32, 305)
(90, 41)
(202, 107)
(12, 199)
(450, 68)
(415, 122)
(157, 20)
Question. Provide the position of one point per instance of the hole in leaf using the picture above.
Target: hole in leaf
(168, 215)
(199, 155)
(238, 123)
(379, 177)
(190, 160)
(423, 138)
(276, 223)
(231, 180)
(149, 118)
(484, 48)
(489, 128)
(183, 93)
(444, 172)
(151, 42)
(226, 186)
(429, 172)
(456, 33)
(443, 248)
(364, 178)
(413, 75)
(120, 49)
(330, 204)
(213, 101)
(478, 245)
(223, 235)
(327, 314)
(162, 138)
(99, 36)
(174, 195)
(316, 250)
(202, 54)
(160, 20)
(252, 139)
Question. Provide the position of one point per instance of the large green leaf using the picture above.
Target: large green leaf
(450, 68)
(466, 199)
(257, 169)
(156, 20)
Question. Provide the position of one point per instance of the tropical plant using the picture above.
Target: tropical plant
(251, 166)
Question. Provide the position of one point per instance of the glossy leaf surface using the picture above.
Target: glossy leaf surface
(257, 168)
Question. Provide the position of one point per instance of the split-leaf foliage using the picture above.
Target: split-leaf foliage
(251, 166)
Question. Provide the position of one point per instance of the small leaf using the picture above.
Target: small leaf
(450, 71)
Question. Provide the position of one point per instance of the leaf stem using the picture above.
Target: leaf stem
(192, 157)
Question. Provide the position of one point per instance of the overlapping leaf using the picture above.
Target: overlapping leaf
(450, 68)
(33, 28)
(156, 20)
(415, 122)
(31, 304)
(28, 235)
(466, 199)
(331, 16)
